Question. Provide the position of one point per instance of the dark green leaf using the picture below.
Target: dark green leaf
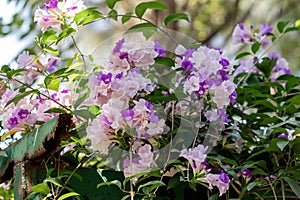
(42, 188)
(291, 29)
(111, 3)
(294, 100)
(165, 61)
(255, 47)
(147, 29)
(114, 182)
(86, 16)
(176, 16)
(281, 26)
(241, 55)
(141, 8)
(113, 14)
(20, 96)
(126, 17)
(291, 83)
(294, 185)
(266, 66)
(55, 110)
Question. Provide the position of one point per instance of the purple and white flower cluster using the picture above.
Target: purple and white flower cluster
(119, 91)
(23, 115)
(242, 34)
(55, 12)
(206, 75)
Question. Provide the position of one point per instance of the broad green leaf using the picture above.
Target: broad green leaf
(53, 84)
(282, 144)
(111, 3)
(165, 61)
(294, 185)
(176, 16)
(152, 184)
(173, 182)
(241, 55)
(49, 36)
(266, 66)
(255, 47)
(42, 188)
(86, 16)
(141, 8)
(126, 17)
(64, 34)
(281, 26)
(294, 100)
(147, 29)
(70, 194)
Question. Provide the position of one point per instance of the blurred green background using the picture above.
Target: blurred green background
(212, 23)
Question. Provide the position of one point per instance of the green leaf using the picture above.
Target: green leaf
(152, 184)
(290, 29)
(266, 66)
(65, 33)
(54, 181)
(87, 16)
(147, 29)
(111, 3)
(241, 55)
(281, 26)
(51, 50)
(20, 96)
(42, 188)
(255, 47)
(126, 17)
(282, 144)
(113, 14)
(70, 194)
(176, 16)
(141, 8)
(55, 110)
(49, 36)
(53, 84)
(114, 182)
(294, 185)
(294, 100)
(165, 61)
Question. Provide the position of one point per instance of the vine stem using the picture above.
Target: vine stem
(273, 189)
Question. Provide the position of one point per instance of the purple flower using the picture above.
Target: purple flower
(118, 46)
(159, 49)
(224, 62)
(51, 4)
(23, 113)
(282, 135)
(52, 65)
(106, 78)
(187, 65)
(67, 148)
(127, 114)
(224, 177)
(55, 97)
(119, 75)
(265, 29)
(13, 121)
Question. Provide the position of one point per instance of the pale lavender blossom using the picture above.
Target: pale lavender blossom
(241, 34)
(196, 157)
(220, 180)
(98, 133)
(46, 20)
(67, 148)
(70, 8)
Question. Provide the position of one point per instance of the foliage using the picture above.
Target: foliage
(170, 119)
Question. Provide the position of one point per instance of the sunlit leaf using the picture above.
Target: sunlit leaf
(70, 194)
(176, 16)
(141, 8)
(42, 188)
